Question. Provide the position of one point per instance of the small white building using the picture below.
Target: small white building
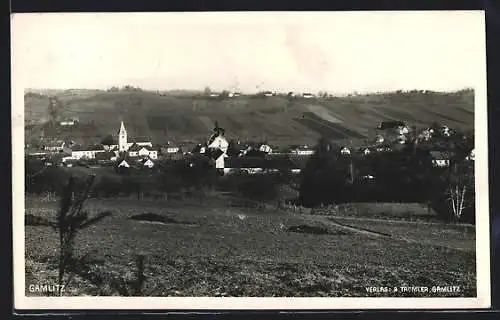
(148, 163)
(67, 123)
(472, 155)
(302, 151)
(265, 148)
(345, 151)
(124, 164)
(85, 153)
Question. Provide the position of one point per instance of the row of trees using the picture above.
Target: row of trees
(401, 177)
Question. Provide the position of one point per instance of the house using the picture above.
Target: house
(148, 162)
(219, 157)
(269, 93)
(265, 148)
(440, 158)
(345, 151)
(471, 156)
(79, 152)
(70, 162)
(217, 140)
(133, 151)
(54, 146)
(379, 139)
(110, 147)
(383, 148)
(307, 95)
(123, 164)
(68, 122)
(302, 151)
(401, 139)
(425, 135)
(366, 151)
(445, 131)
(105, 157)
(233, 94)
(170, 149)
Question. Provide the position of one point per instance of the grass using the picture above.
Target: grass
(222, 251)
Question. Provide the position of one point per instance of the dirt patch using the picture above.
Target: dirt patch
(314, 230)
(157, 219)
(360, 230)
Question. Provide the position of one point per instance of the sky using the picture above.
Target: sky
(338, 52)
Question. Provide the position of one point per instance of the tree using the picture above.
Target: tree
(207, 91)
(460, 189)
(54, 109)
(71, 219)
(108, 140)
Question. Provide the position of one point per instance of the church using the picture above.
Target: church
(133, 149)
(124, 147)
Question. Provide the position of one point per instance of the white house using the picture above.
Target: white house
(85, 153)
(67, 123)
(54, 146)
(440, 159)
(366, 151)
(345, 151)
(217, 141)
(124, 164)
(172, 149)
(148, 163)
(302, 151)
(265, 148)
(307, 95)
(472, 155)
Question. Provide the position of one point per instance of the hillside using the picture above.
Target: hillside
(279, 120)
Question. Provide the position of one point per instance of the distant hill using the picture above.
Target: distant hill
(279, 120)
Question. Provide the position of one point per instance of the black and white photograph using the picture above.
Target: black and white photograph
(246, 160)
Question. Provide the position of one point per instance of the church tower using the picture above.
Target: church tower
(122, 138)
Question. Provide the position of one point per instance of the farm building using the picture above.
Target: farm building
(345, 151)
(440, 158)
(170, 149)
(302, 150)
(105, 157)
(123, 164)
(68, 122)
(54, 146)
(79, 152)
(366, 151)
(471, 156)
(148, 163)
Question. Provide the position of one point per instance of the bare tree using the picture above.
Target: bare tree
(71, 219)
(460, 189)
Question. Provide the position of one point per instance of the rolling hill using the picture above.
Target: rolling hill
(279, 120)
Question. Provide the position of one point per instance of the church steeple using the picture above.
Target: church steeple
(122, 138)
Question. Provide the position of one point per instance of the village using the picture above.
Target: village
(125, 153)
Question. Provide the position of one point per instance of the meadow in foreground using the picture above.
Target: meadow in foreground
(213, 250)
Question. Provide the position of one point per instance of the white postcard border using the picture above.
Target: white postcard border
(205, 303)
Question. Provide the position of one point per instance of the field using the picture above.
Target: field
(279, 120)
(215, 249)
